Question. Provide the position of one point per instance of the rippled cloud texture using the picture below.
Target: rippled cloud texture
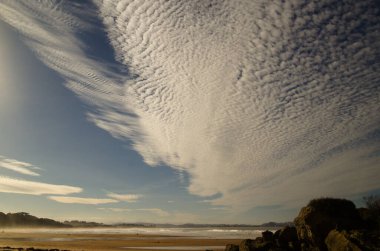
(259, 102)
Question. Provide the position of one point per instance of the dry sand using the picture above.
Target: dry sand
(110, 242)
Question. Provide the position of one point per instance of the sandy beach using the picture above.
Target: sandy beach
(111, 242)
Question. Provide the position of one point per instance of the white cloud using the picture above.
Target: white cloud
(80, 200)
(124, 197)
(250, 98)
(339, 176)
(115, 209)
(150, 214)
(157, 211)
(243, 96)
(10, 185)
(218, 208)
(18, 166)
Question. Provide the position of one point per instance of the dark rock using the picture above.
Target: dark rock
(265, 246)
(324, 224)
(288, 234)
(287, 239)
(247, 245)
(364, 213)
(337, 241)
(231, 247)
(367, 217)
(259, 240)
(294, 246)
(267, 236)
(276, 234)
(316, 220)
(364, 239)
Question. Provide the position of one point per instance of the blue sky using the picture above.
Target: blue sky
(45, 123)
(220, 114)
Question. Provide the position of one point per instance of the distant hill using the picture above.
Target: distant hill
(76, 223)
(23, 219)
(276, 224)
(196, 225)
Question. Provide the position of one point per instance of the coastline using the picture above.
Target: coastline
(110, 242)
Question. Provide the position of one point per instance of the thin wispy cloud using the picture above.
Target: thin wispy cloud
(259, 102)
(114, 209)
(125, 197)
(11, 185)
(18, 166)
(158, 215)
(156, 211)
(218, 208)
(82, 200)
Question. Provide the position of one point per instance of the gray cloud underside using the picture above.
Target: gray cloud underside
(263, 102)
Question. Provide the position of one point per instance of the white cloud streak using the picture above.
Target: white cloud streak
(257, 101)
(125, 197)
(10, 185)
(18, 166)
(152, 213)
(115, 209)
(81, 200)
(156, 211)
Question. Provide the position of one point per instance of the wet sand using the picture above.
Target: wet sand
(110, 242)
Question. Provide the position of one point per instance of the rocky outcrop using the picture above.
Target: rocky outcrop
(269, 241)
(267, 236)
(247, 245)
(338, 241)
(323, 225)
(232, 247)
(320, 216)
(287, 237)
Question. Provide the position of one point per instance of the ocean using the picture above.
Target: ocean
(190, 232)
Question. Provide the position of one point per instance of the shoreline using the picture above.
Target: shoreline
(110, 242)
